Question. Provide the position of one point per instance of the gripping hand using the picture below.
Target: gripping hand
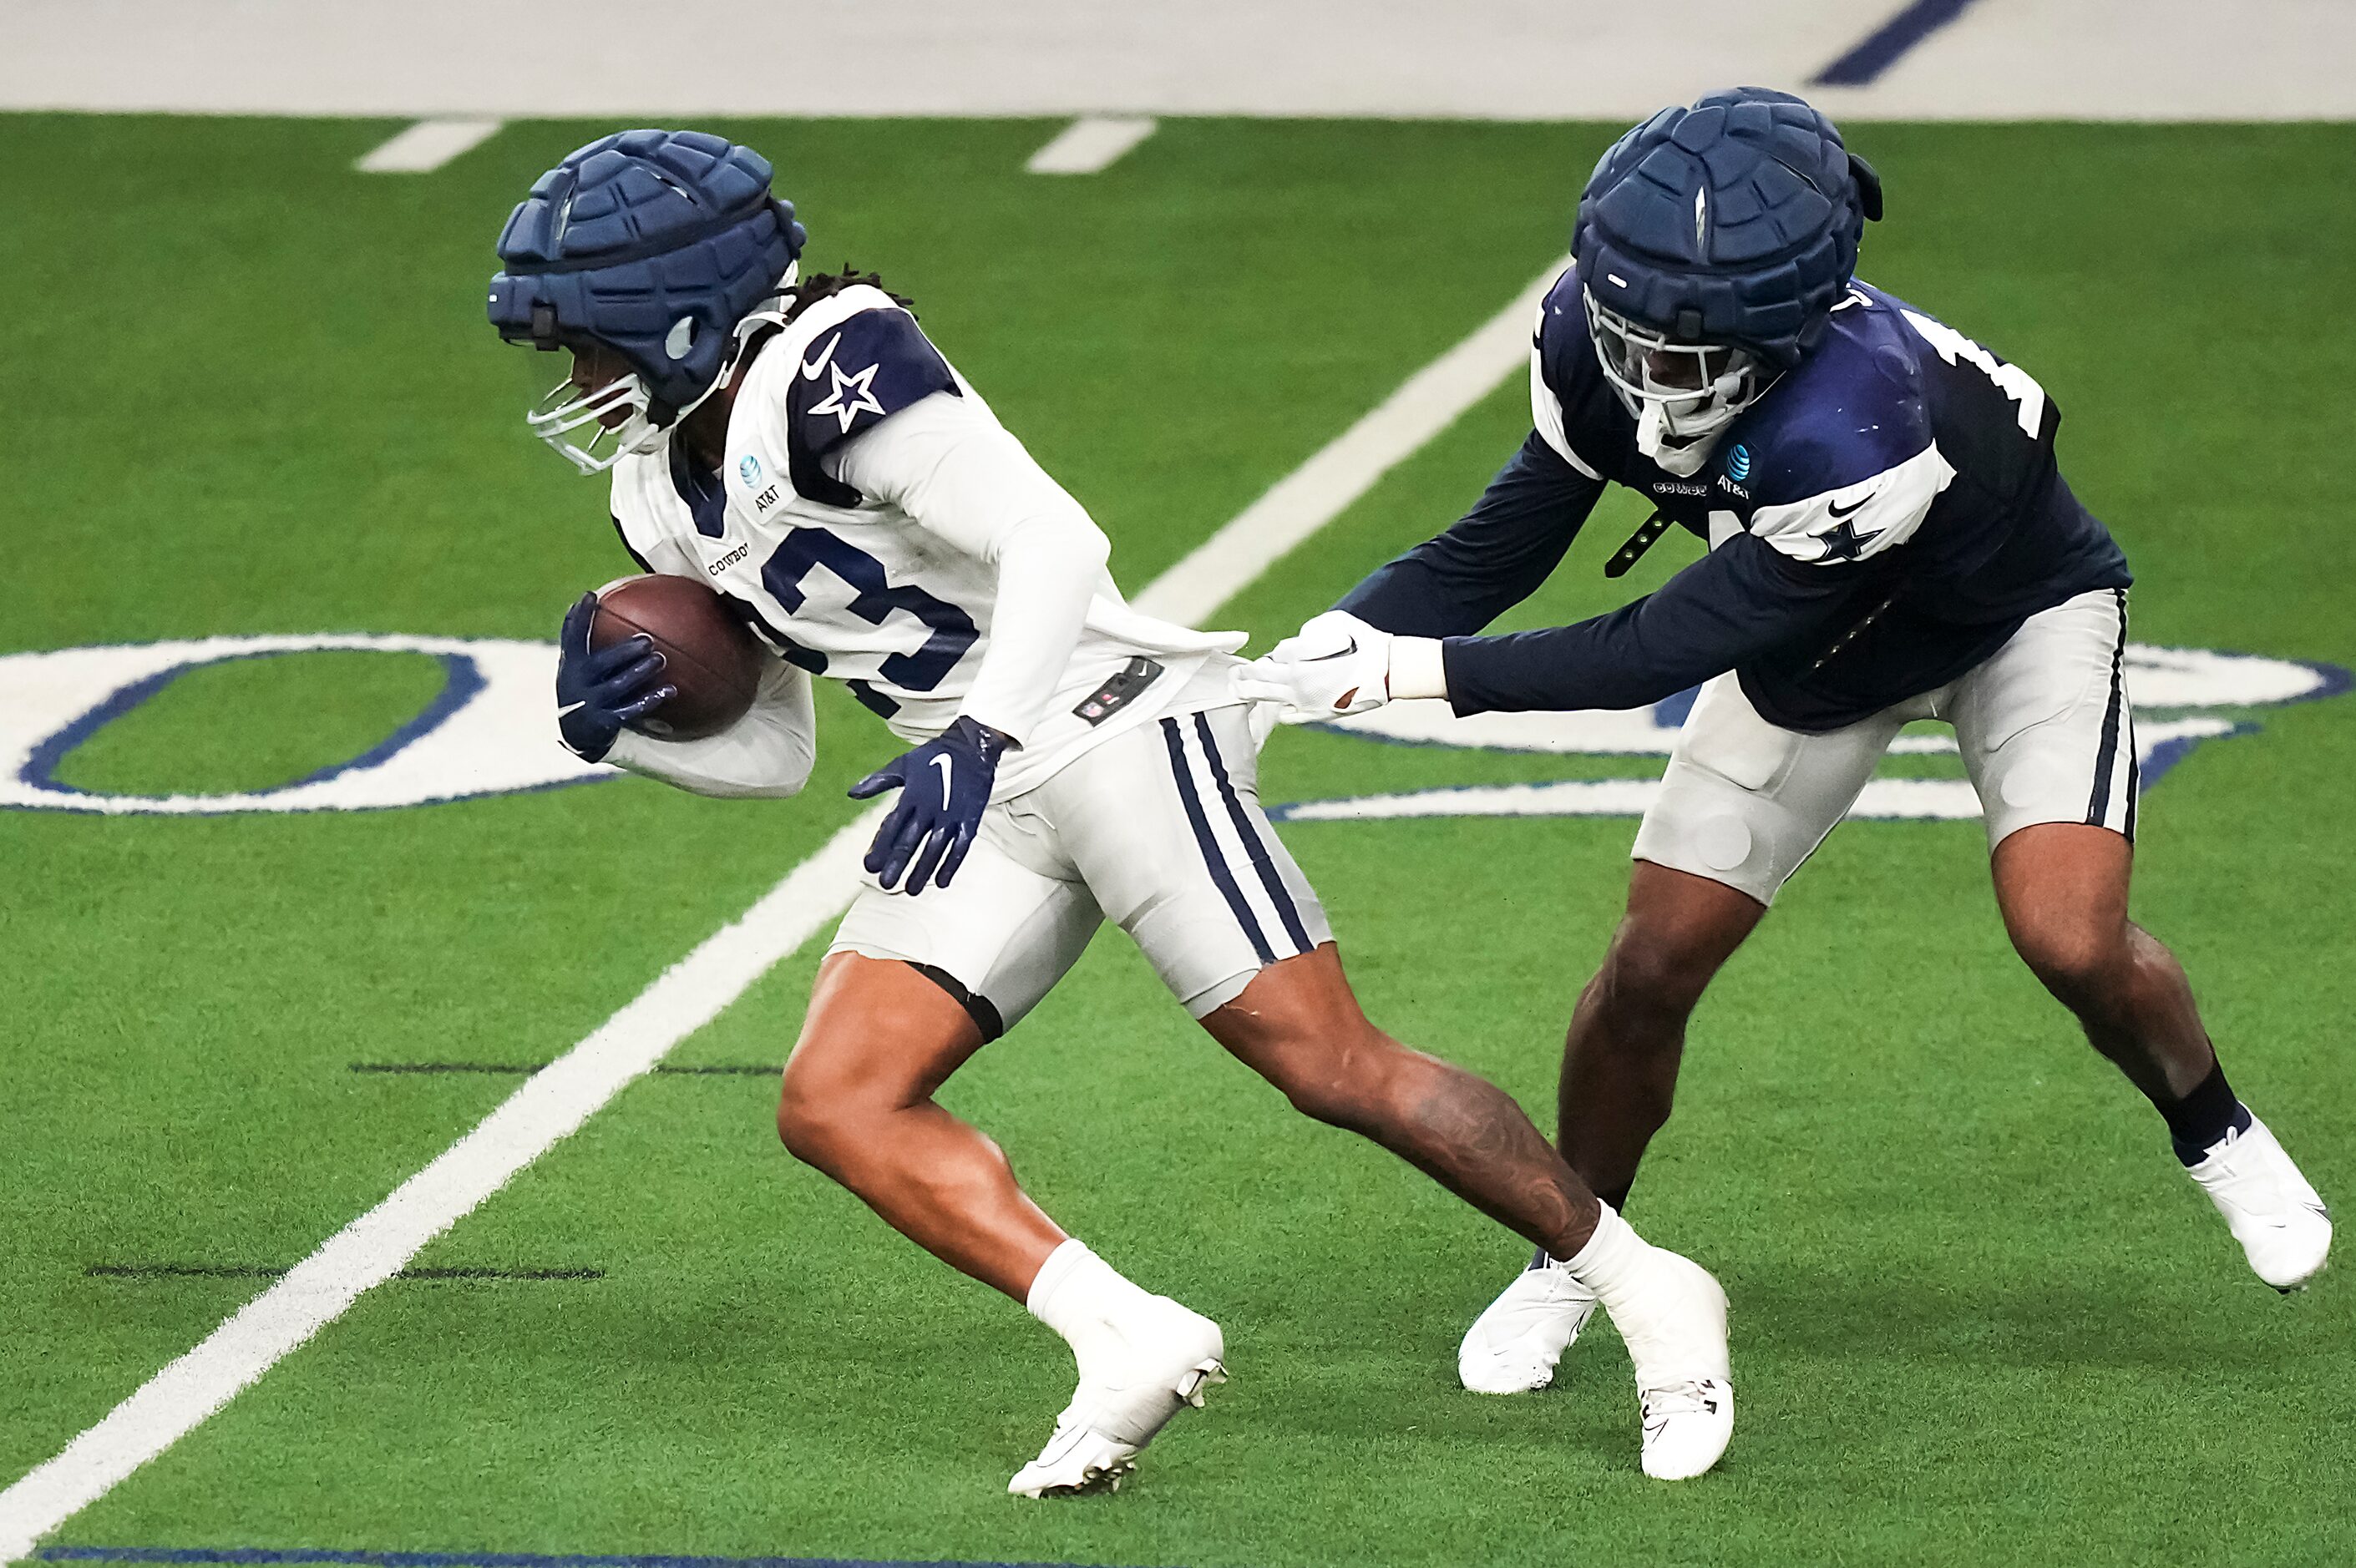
(1336, 665)
(944, 784)
(598, 692)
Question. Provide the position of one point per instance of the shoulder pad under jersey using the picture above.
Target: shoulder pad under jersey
(1839, 459)
(864, 368)
(1572, 404)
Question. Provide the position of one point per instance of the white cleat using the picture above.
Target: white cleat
(2280, 1221)
(1675, 1327)
(1164, 1366)
(1686, 1428)
(1513, 1346)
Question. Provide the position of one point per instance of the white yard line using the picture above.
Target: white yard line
(1091, 142)
(560, 1097)
(427, 145)
(1318, 491)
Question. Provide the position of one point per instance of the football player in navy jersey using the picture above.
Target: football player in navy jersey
(800, 444)
(1889, 539)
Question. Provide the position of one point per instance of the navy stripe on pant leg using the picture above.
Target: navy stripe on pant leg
(1220, 877)
(2134, 779)
(2100, 805)
(1254, 845)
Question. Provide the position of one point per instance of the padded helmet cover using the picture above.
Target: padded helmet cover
(636, 234)
(1735, 221)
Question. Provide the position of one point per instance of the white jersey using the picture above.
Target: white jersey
(874, 524)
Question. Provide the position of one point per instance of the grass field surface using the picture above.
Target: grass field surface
(1979, 1315)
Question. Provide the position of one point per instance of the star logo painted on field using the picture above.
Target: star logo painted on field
(862, 401)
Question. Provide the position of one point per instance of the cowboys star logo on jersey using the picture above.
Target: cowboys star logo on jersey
(844, 584)
(860, 399)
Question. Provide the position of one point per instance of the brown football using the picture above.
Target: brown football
(708, 654)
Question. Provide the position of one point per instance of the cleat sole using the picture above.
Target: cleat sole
(1191, 1386)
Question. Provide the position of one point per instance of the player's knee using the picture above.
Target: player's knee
(813, 1123)
(1652, 971)
(2079, 961)
(803, 1128)
(1337, 1081)
(1325, 1097)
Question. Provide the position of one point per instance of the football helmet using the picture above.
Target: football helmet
(654, 246)
(1712, 242)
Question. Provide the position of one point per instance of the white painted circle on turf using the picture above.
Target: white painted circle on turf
(491, 730)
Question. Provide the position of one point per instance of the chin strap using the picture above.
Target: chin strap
(1682, 458)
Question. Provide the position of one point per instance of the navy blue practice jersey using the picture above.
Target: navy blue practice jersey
(1880, 522)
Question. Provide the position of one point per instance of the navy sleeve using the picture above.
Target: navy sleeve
(1491, 560)
(1742, 599)
(873, 366)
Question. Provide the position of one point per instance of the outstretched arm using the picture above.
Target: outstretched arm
(1491, 560)
(1742, 599)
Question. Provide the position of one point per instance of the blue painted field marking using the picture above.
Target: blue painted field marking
(1886, 45)
(461, 680)
(267, 1555)
(478, 735)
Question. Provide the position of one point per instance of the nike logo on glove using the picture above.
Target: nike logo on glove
(946, 769)
(1336, 654)
(1852, 510)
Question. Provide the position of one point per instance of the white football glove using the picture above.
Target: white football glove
(1336, 665)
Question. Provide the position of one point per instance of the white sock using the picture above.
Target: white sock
(1613, 1259)
(1082, 1298)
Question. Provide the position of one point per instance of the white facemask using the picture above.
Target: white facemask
(1684, 395)
(565, 408)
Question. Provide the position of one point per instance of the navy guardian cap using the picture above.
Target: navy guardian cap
(1712, 243)
(654, 245)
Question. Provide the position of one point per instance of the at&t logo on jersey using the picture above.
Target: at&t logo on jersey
(749, 469)
(2183, 698)
(1738, 462)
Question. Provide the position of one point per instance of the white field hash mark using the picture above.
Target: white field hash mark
(560, 1096)
(1090, 143)
(427, 145)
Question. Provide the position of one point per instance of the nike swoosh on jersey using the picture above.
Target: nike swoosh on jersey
(812, 367)
(946, 768)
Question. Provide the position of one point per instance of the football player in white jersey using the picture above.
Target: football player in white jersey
(801, 446)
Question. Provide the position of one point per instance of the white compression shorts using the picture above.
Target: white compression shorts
(2044, 727)
(1158, 830)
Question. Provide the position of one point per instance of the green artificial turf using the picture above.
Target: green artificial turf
(1979, 1317)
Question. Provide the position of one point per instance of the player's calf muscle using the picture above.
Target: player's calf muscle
(1472, 1137)
(1299, 1026)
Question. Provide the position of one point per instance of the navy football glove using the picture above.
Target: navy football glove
(944, 784)
(598, 693)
